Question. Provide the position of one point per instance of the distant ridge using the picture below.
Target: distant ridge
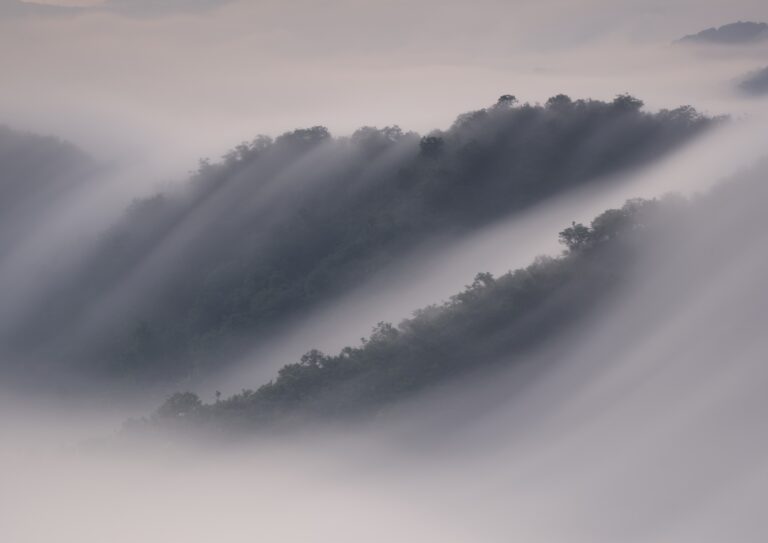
(735, 33)
(755, 83)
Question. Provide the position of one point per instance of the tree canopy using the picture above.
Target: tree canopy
(254, 241)
(493, 321)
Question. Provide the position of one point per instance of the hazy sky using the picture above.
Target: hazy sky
(188, 78)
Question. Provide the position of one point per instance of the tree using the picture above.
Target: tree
(305, 137)
(559, 103)
(576, 237)
(313, 359)
(431, 146)
(627, 103)
(506, 101)
(180, 404)
(483, 280)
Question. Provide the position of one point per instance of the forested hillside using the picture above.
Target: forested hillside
(494, 322)
(277, 227)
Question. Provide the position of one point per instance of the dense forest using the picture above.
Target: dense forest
(493, 322)
(186, 277)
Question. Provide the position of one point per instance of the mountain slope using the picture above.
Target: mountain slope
(755, 83)
(253, 242)
(494, 322)
(742, 32)
(34, 171)
(503, 322)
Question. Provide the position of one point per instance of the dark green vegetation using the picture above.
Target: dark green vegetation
(495, 321)
(742, 32)
(253, 242)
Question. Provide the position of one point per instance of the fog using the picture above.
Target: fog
(436, 272)
(643, 422)
(175, 84)
(180, 278)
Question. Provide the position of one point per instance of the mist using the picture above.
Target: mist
(182, 281)
(642, 423)
(112, 82)
(189, 347)
(435, 273)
